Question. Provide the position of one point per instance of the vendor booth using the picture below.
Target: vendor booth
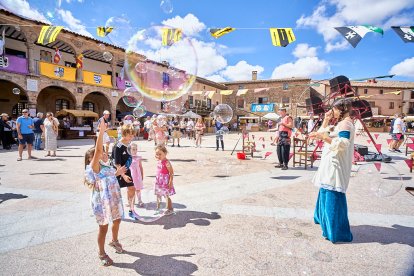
(80, 124)
(249, 123)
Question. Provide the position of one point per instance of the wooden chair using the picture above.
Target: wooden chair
(301, 152)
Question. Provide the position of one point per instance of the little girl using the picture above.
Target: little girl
(106, 198)
(164, 179)
(137, 173)
(160, 137)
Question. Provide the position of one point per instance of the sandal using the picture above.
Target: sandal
(19, 159)
(141, 204)
(169, 212)
(105, 260)
(117, 246)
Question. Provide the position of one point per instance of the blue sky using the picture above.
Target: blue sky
(318, 52)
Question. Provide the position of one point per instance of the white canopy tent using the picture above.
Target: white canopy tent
(271, 116)
(191, 115)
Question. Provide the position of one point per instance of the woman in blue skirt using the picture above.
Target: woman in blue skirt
(333, 174)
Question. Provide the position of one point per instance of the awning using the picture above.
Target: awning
(241, 92)
(191, 115)
(226, 92)
(77, 113)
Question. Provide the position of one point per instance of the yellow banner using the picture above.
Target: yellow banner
(226, 92)
(57, 72)
(97, 79)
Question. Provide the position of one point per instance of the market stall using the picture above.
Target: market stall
(77, 128)
(249, 123)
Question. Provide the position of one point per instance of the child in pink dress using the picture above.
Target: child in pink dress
(164, 179)
(137, 173)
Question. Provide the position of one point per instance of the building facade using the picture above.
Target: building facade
(386, 98)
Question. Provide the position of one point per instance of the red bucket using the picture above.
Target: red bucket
(241, 156)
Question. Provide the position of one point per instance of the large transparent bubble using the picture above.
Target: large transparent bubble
(132, 98)
(162, 73)
(381, 179)
(139, 111)
(122, 30)
(223, 113)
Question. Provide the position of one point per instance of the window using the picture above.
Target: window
(16, 53)
(88, 106)
(412, 94)
(62, 104)
(241, 86)
(381, 91)
(285, 86)
(391, 105)
(70, 64)
(365, 91)
(209, 103)
(262, 100)
(197, 103)
(191, 99)
(45, 56)
(285, 100)
(17, 109)
(240, 103)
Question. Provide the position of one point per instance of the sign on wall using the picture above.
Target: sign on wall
(262, 107)
(32, 85)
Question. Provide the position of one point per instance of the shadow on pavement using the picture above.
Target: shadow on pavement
(285, 177)
(383, 235)
(7, 196)
(182, 218)
(159, 265)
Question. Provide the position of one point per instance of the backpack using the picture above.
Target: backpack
(392, 126)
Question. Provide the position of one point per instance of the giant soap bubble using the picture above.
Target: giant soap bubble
(223, 113)
(161, 72)
(132, 98)
(381, 179)
(122, 30)
(139, 111)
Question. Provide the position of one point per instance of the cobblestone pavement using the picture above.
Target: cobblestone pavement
(232, 218)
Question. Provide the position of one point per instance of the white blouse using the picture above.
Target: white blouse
(334, 170)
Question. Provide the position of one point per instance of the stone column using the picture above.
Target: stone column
(79, 71)
(79, 119)
(30, 58)
(113, 69)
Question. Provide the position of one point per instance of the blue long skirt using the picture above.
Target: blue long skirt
(331, 212)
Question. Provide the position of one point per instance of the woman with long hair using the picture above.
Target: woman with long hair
(334, 172)
(51, 125)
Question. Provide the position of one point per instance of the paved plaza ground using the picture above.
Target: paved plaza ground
(232, 218)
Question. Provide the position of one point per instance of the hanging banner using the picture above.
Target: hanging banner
(57, 72)
(97, 79)
(262, 107)
(122, 84)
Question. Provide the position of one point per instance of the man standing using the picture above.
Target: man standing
(397, 133)
(25, 133)
(38, 130)
(176, 132)
(283, 145)
(5, 139)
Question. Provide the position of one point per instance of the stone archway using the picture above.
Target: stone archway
(10, 103)
(97, 102)
(122, 108)
(55, 98)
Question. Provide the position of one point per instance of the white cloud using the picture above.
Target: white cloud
(354, 12)
(216, 78)
(307, 64)
(22, 7)
(241, 71)
(303, 50)
(340, 45)
(74, 24)
(189, 24)
(404, 68)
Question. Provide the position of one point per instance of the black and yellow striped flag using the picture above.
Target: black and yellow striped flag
(220, 32)
(103, 31)
(170, 36)
(48, 34)
(282, 36)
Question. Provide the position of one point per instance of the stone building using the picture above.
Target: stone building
(289, 93)
(45, 86)
(380, 94)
